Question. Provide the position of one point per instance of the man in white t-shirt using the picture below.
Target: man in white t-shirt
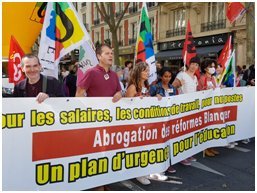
(186, 82)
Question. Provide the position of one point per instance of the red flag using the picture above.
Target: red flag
(225, 53)
(234, 11)
(14, 62)
(189, 50)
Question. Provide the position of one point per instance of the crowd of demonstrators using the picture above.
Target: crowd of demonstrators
(35, 84)
(132, 81)
(249, 75)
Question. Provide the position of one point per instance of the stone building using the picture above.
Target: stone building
(210, 29)
(209, 26)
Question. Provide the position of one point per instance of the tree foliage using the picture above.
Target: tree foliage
(113, 22)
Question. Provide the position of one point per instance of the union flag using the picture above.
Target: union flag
(225, 53)
(234, 11)
(14, 62)
(189, 50)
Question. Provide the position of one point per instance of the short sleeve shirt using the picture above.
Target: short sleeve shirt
(190, 83)
(99, 83)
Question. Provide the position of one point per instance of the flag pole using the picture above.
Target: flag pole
(234, 66)
(185, 57)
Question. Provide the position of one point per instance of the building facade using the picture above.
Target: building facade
(210, 29)
(209, 26)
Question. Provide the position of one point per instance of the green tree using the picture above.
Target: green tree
(113, 22)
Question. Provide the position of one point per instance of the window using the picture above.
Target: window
(97, 36)
(108, 8)
(133, 33)
(151, 4)
(84, 18)
(134, 30)
(216, 11)
(216, 17)
(96, 14)
(134, 4)
(179, 18)
(107, 34)
(133, 7)
(84, 4)
(119, 7)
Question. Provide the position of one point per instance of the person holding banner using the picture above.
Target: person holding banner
(206, 82)
(186, 82)
(138, 86)
(100, 81)
(35, 84)
(164, 89)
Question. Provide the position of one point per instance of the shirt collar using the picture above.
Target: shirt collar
(102, 68)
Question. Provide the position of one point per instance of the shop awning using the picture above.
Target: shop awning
(169, 55)
(177, 54)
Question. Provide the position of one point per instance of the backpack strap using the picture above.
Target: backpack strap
(44, 84)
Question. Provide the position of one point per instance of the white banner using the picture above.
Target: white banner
(80, 143)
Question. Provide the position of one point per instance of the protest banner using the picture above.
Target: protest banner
(81, 143)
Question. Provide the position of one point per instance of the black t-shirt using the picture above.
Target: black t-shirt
(32, 90)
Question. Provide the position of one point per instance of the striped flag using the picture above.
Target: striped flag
(144, 44)
(62, 32)
(228, 75)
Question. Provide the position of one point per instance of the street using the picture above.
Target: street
(232, 170)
